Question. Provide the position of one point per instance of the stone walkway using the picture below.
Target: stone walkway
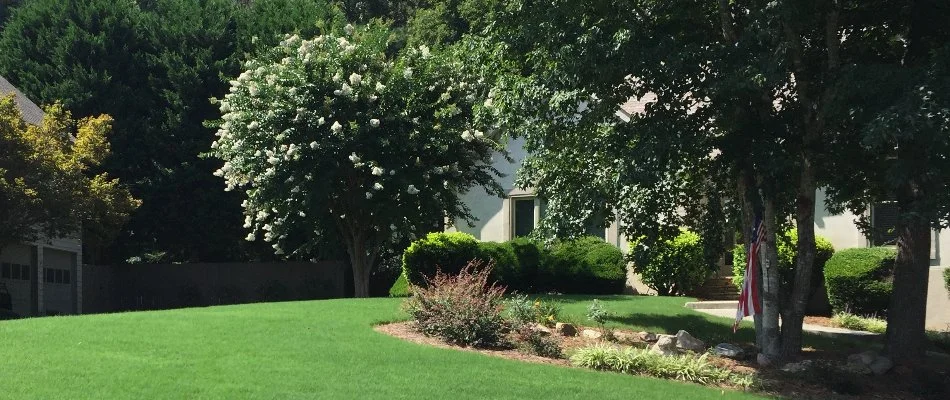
(727, 309)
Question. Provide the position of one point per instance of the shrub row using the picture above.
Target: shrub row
(587, 265)
(859, 280)
(859, 323)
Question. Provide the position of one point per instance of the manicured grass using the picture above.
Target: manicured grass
(298, 350)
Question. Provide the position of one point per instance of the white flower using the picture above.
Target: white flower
(349, 28)
(346, 90)
(250, 237)
(488, 102)
(424, 50)
(378, 171)
(253, 125)
(407, 73)
(377, 186)
(336, 127)
(342, 41)
(380, 87)
(467, 136)
(349, 48)
(392, 227)
(479, 134)
(337, 77)
(369, 195)
(313, 145)
(354, 158)
(321, 121)
(374, 123)
(273, 160)
(253, 90)
(412, 189)
(355, 79)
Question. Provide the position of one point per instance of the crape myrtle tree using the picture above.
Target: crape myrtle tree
(739, 98)
(46, 188)
(335, 137)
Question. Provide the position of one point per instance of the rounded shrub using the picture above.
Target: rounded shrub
(400, 288)
(859, 281)
(673, 266)
(530, 254)
(507, 269)
(787, 259)
(445, 251)
(586, 265)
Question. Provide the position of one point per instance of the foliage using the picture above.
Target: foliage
(787, 258)
(547, 312)
(530, 254)
(629, 360)
(463, 309)
(859, 280)
(522, 311)
(859, 323)
(329, 137)
(597, 313)
(586, 265)
(674, 266)
(533, 341)
(445, 251)
(507, 269)
(940, 340)
(400, 288)
(47, 184)
(946, 278)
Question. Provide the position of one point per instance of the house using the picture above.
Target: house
(518, 214)
(42, 277)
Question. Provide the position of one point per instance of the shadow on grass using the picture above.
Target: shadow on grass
(587, 298)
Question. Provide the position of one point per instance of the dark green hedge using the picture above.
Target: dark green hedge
(859, 281)
(588, 265)
(946, 278)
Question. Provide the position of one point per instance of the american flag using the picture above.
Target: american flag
(749, 296)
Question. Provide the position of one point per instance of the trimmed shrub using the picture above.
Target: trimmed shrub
(588, 265)
(445, 251)
(859, 280)
(530, 255)
(629, 360)
(507, 270)
(787, 258)
(672, 267)
(400, 288)
(463, 309)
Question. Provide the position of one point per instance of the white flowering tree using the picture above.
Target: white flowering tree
(336, 139)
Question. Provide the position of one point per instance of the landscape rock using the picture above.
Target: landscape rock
(881, 365)
(621, 336)
(728, 350)
(665, 345)
(591, 334)
(795, 368)
(565, 329)
(855, 368)
(647, 337)
(763, 360)
(686, 341)
(865, 358)
(542, 329)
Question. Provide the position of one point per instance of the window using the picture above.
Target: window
(884, 224)
(523, 218)
(15, 271)
(593, 229)
(52, 275)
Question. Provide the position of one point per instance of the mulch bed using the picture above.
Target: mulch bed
(931, 381)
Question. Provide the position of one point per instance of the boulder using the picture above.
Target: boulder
(795, 368)
(665, 345)
(686, 341)
(622, 336)
(855, 368)
(543, 330)
(865, 358)
(591, 334)
(565, 329)
(881, 365)
(647, 337)
(728, 350)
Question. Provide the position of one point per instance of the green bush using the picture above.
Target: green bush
(946, 278)
(463, 308)
(530, 255)
(535, 342)
(672, 267)
(445, 251)
(629, 360)
(400, 288)
(859, 280)
(859, 323)
(787, 258)
(588, 265)
(507, 269)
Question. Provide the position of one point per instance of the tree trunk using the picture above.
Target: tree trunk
(906, 317)
(794, 314)
(771, 287)
(361, 264)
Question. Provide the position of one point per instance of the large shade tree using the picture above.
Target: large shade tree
(333, 138)
(46, 188)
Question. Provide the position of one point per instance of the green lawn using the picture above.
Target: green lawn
(317, 349)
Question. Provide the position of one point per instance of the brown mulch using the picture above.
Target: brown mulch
(820, 321)
(899, 384)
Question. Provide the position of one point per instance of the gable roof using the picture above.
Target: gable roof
(32, 113)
